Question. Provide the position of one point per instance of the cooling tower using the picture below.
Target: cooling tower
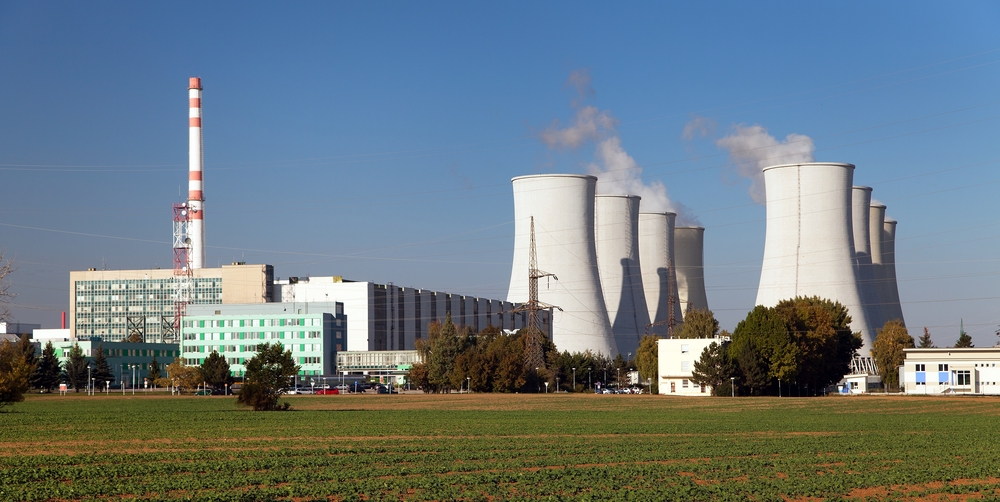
(809, 244)
(876, 217)
(563, 208)
(892, 308)
(861, 199)
(656, 248)
(616, 231)
(689, 249)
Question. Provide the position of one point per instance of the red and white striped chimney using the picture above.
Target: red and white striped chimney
(196, 196)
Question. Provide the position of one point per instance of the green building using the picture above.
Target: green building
(130, 362)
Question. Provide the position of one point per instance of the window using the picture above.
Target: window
(920, 367)
(684, 383)
(963, 377)
(685, 365)
(942, 367)
(685, 348)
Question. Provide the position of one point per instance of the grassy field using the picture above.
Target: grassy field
(501, 447)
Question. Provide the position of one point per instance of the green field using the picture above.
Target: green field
(501, 447)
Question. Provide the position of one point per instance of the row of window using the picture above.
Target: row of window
(233, 323)
(202, 295)
(295, 347)
(258, 335)
(118, 285)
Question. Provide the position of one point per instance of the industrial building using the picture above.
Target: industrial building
(389, 317)
(949, 371)
(114, 304)
(313, 332)
(129, 362)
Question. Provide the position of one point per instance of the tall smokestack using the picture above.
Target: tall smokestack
(196, 196)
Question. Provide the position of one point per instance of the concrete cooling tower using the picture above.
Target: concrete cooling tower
(659, 282)
(563, 208)
(861, 199)
(809, 244)
(689, 249)
(876, 218)
(616, 230)
(892, 308)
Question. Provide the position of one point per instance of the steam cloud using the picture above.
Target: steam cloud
(617, 172)
(751, 149)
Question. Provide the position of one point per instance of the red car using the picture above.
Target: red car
(327, 391)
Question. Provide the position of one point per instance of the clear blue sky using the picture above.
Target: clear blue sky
(377, 140)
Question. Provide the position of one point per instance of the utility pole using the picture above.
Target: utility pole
(533, 356)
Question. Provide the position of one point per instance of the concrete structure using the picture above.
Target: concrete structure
(890, 290)
(18, 328)
(676, 358)
(562, 206)
(389, 317)
(689, 250)
(861, 198)
(656, 248)
(809, 246)
(876, 219)
(45, 335)
(951, 371)
(111, 303)
(130, 362)
(387, 366)
(313, 332)
(196, 194)
(616, 231)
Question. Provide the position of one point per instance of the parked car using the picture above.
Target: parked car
(303, 390)
(382, 389)
(327, 391)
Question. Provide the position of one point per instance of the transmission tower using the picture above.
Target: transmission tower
(182, 272)
(533, 355)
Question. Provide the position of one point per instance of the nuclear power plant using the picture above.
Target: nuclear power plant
(616, 230)
(689, 250)
(656, 246)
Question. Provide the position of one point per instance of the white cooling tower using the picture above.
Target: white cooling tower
(861, 199)
(616, 231)
(809, 245)
(563, 208)
(659, 282)
(893, 310)
(689, 249)
(876, 217)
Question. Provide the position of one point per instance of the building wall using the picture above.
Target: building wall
(676, 365)
(121, 355)
(951, 371)
(312, 337)
(101, 301)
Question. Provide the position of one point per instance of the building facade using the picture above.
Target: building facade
(130, 362)
(313, 332)
(389, 317)
(951, 371)
(676, 365)
(114, 304)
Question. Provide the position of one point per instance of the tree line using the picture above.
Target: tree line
(456, 358)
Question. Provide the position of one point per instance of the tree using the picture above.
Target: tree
(6, 295)
(888, 351)
(46, 375)
(699, 323)
(27, 350)
(763, 349)
(268, 375)
(215, 371)
(925, 341)
(102, 370)
(15, 374)
(444, 347)
(76, 368)
(154, 371)
(714, 369)
(647, 359)
(964, 341)
(182, 376)
(826, 344)
(135, 338)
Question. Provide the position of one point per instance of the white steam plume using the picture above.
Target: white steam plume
(751, 149)
(617, 172)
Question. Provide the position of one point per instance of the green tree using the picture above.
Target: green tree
(215, 371)
(154, 371)
(46, 375)
(135, 338)
(753, 377)
(182, 376)
(925, 342)
(268, 375)
(76, 368)
(101, 369)
(822, 334)
(15, 374)
(698, 323)
(715, 368)
(647, 359)
(888, 351)
(964, 341)
(27, 350)
(444, 347)
(763, 339)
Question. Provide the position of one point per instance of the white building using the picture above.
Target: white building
(389, 317)
(676, 365)
(951, 371)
